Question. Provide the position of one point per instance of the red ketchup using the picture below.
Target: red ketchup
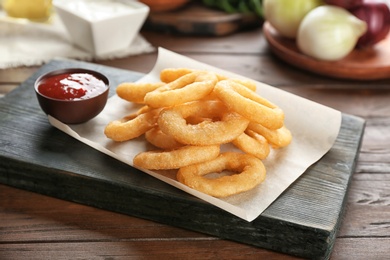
(71, 86)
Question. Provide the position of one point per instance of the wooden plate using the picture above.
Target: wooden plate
(197, 19)
(365, 64)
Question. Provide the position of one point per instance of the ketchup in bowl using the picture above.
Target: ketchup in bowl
(72, 95)
(72, 86)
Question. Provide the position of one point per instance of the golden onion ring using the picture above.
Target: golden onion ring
(176, 158)
(249, 104)
(228, 126)
(252, 143)
(135, 92)
(131, 127)
(190, 87)
(250, 173)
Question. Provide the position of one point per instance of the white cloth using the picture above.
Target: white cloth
(29, 44)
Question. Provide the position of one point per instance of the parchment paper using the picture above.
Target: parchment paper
(314, 128)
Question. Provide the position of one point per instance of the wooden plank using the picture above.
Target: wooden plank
(245, 43)
(135, 249)
(5, 88)
(263, 68)
(368, 206)
(16, 75)
(303, 221)
(53, 222)
(357, 248)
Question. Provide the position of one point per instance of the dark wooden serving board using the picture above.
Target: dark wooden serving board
(35, 156)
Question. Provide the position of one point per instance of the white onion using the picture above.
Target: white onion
(286, 15)
(329, 33)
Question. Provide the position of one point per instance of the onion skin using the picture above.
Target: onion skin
(377, 17)
(286, 15)
(346, 4)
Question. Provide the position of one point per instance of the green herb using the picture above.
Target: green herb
(237, 6)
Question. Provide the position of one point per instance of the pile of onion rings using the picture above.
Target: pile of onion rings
(189, 115)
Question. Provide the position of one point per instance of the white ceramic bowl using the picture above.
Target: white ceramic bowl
(104, 26)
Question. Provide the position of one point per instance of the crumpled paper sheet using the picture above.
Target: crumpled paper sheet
(31, 44)
(314, 128)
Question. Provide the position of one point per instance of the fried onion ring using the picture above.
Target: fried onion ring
(247, 83)
(277, 138)
(140, 111)
(177, 158)
(252, 143)
(249, 104)
(131, 127)
(230, 125)
(161, 140)
(189, 117)
(135, 92)
(172, 74)
(250, 173)
(190, 87)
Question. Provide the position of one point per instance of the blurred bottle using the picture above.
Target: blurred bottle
(34, 10)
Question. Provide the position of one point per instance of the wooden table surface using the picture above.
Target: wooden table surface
(33, 226)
